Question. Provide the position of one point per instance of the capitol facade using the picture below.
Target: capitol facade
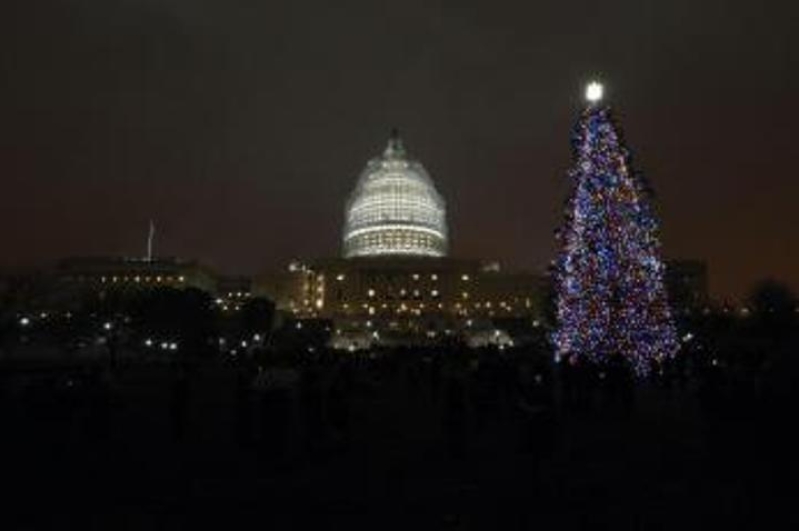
(394, 283)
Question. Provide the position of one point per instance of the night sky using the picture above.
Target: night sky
(241, 126)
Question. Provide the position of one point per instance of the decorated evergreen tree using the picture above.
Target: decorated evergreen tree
(611, 299)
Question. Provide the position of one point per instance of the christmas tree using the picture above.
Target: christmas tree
(611, 300)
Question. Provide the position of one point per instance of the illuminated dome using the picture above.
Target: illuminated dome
(395, 209)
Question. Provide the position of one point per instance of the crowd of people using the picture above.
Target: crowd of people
(285, 412)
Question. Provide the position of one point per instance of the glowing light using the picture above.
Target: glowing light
(395, 209)
(24, 321)
(594, 92)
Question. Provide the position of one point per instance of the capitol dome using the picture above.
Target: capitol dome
(395, 209)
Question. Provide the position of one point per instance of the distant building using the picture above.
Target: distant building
(234, 287)
(341, 287)
(394, 284)
(31, 290)
(393, 300)
(109, 274)
(687, 285)
(232, 292)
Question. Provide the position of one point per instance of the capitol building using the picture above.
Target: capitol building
(394, 283)
(395, 209)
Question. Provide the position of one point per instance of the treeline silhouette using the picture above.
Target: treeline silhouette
(288, 431)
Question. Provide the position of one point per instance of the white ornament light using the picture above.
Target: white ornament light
(594, 92)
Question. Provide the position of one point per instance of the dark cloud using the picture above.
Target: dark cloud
(241, 126)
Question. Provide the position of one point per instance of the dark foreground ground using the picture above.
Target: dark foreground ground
(384, 446)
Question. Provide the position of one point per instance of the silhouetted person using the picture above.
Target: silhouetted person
(435, 377)
(244, 407)
(99, 405)
(618, 386)
(535, 418)
(711, 396)
(579, 379)
(338, 407)
(455, 416)
(276, 410)
(179, 398)
(312, 403)
(568, 382)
